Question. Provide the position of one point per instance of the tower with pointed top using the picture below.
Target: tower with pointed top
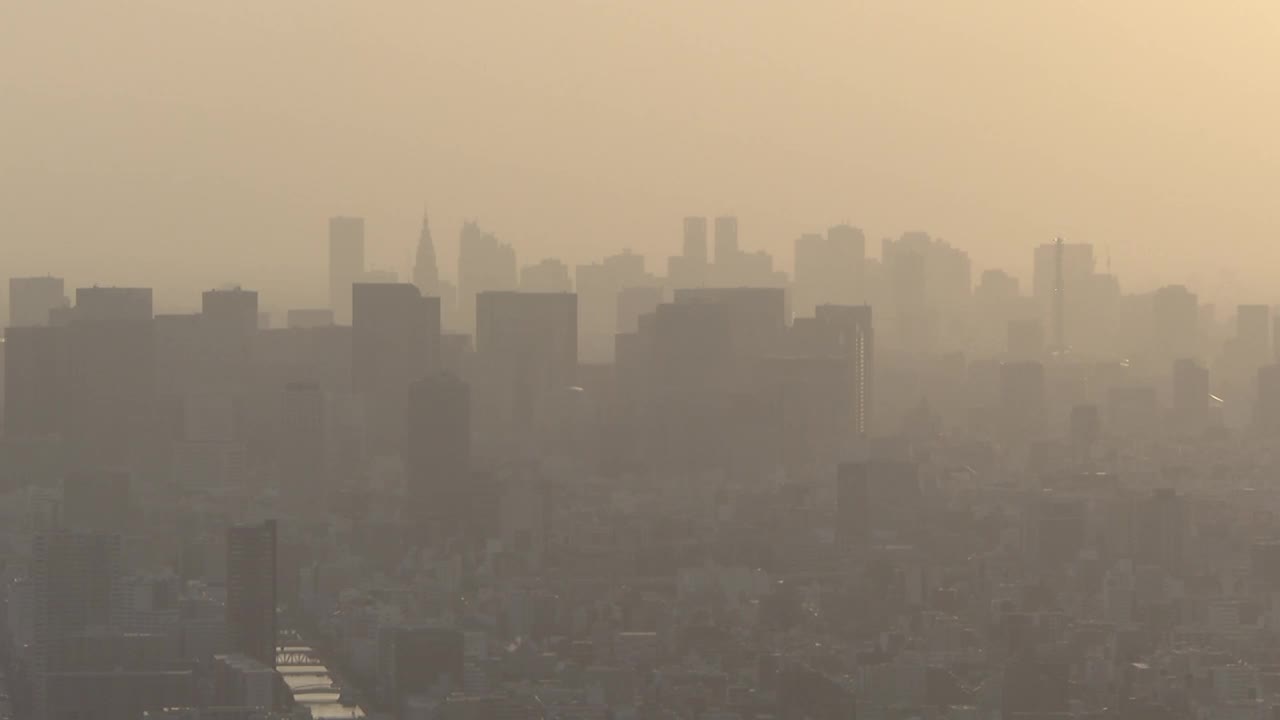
(426, 274)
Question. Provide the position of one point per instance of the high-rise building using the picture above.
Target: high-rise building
(526, 349)
(74, 577)
(438, 451)
(303, 451)
(873, 496)
(111, 374)
(35, 381)
(484, 264)
(599, 286)
(550, 275)
(31, 299)
(694, 245)
(1267, 404)
(426, 273)
(1253, 334)
(251, 591)
(228, 322)
(691, 267)
(346, 263)
(309, 318)
(726, 241)
(1063, 273)
(395, 341)
(845, 331)
(829, 270)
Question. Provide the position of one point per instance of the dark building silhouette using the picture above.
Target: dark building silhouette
(395, 341)
(422, 661)
(35, 381)
(426, 272)
(484, 264)
(346, 263)
(438, 451)
(1023, 408)
(309, 318)
(875, 495)
(691, 268)
(549, 275)
(526, 349)
(251, 590)
(111, 374)
(32, 298)
(303, 450)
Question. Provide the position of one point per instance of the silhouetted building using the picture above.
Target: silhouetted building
(484, 264)
(1175, 324)
(526, 349)
(1267, 404)
(875, 496)
(419, 661)
(251, 590)
(426, 272)
(438, 452)
(346, 263)
(35, 381)
(309, 318)
(32, 298)
(1022, 399)
(548, 276)
(395, 341)
(303, 450)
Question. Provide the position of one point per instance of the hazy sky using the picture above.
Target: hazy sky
(182, 142)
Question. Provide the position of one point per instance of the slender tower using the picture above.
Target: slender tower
(426, 274)
(1059, 341)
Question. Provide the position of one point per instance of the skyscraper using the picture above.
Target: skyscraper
(303, 452)
(426, 273)
(74, 576)
(395, 341)
(111, 374)
(726, 241)
(438, 451)
(527, 347)
(484, 264)
(251, 590)
(31, 299)
(346, 263)
(228, 321)
(35, 381)
(845, 331)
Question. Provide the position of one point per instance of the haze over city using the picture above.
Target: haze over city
(179, 144)
(701, 360)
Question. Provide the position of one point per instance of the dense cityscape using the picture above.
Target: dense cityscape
(700, 488)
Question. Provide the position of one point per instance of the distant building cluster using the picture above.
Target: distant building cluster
(873, 488)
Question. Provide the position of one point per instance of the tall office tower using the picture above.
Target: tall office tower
(395, 341)
(31, 299)
(1160, 531)
(419, 661)
(111, 374)
(303, 451)
(438, 452)
(930, 293)
(727, 241)
(228, 322)
(346, 263)
(845, 331)
(598, 287)
(526, 349)
(758, 316)
(549, 276)
(96, 500)
(1085, 427)
(1022, 399)
(73, 576)
(426, 273)
(692, 267)
(829, 270)
(35, 381)
(251, 590)
(694, 245)
(1253, 333)
(1190, 395)
(1064, 271)
(484, 264)
(1267, 405)
(1175, 324)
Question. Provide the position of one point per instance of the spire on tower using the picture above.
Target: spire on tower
(426, 274)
